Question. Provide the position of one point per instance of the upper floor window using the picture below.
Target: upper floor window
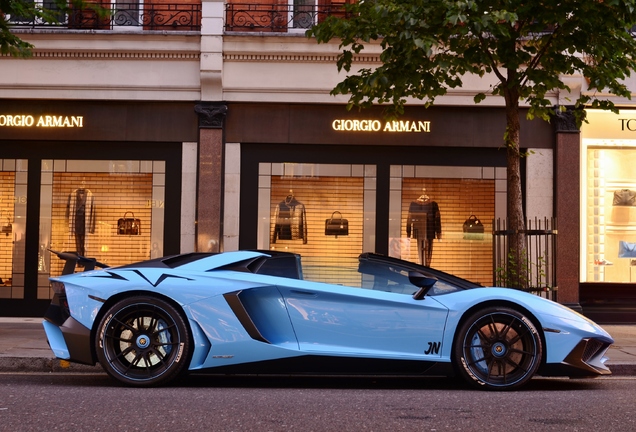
(302, 14)
(279, 15)
(137, 15)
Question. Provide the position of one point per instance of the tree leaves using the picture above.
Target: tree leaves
(10, 43)
(428, 46)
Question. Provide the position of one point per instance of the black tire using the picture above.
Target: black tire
(497, 348)
(143, 341)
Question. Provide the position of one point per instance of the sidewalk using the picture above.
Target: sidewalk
(23, 348)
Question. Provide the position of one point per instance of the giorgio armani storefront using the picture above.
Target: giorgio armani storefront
(71, 172)
(329, 183)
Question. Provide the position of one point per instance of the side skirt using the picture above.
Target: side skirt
(310, 365)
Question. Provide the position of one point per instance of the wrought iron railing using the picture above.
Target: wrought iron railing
(277, 18)
(535, 271)
(147, 16)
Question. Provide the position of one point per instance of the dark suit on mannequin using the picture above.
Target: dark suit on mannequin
(424, 224)
(80, 213)
(291, 221)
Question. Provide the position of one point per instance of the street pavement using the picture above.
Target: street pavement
(23, 348)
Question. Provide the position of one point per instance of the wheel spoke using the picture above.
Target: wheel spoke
(505, 330)
(125, 324)
(515, 365)
(154, 320)
(492, 326)
(475, 361)
(482, 335)
(518, 337)
(119, 338)
(160, 356)
(125, 352)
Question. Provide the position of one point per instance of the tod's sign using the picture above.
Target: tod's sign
(342, 125)
(49, 121)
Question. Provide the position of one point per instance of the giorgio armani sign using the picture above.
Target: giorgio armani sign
(350, 125)
(47, 121)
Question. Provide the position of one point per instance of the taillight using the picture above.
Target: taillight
(58, 287)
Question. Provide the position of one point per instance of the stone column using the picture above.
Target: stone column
(567, 185)
(209, 227)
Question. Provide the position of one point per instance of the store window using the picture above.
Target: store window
(608, 197)
(325, 212)
(442, 217)
(13, 200)
(109, 210)
(611, 213)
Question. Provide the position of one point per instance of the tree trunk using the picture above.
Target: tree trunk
(517, 262)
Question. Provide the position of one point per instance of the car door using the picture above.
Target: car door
(341, 320)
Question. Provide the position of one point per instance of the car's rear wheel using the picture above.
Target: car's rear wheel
(143, 341)
(497, 348)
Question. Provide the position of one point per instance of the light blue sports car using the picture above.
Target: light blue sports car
(254, 312)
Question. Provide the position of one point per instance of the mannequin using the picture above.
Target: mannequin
(80, 213)
(290, 220)
(424, 224)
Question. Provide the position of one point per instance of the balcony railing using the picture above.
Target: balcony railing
(249, 17)
(122, 16)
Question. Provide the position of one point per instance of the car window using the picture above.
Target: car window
(392, 277)
(389, 279)
(373, 275)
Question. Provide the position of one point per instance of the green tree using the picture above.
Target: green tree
(429, 46)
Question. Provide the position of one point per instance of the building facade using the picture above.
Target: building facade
(218, 133)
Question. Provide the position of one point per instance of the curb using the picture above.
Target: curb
(622, 369)
(43, 364)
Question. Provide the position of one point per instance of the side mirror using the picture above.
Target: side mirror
(425, 283)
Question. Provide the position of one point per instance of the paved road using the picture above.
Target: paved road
(86, 401)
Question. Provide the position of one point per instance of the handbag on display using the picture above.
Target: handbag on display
(128, 225)
(473, 229)
(626, 249)
(8, 227)
(624, 197)
(336, 225)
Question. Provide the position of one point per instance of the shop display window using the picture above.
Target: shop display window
(610, 214)
(442, 217)
(327, 214)
(13, 187)
(324, 212)
(109, 210)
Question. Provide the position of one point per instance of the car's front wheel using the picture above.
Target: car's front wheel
(497, 348)
(143, 341)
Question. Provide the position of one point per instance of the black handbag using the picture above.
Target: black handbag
(624, 197)
(8, 227)
(473, 229)
(336, 225)
(128, 225)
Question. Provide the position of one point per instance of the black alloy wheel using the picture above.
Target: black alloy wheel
(497, 348)
(143, 341)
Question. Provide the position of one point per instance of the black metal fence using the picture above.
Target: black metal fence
(118, 15)
(277, 17)
(533, 271)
